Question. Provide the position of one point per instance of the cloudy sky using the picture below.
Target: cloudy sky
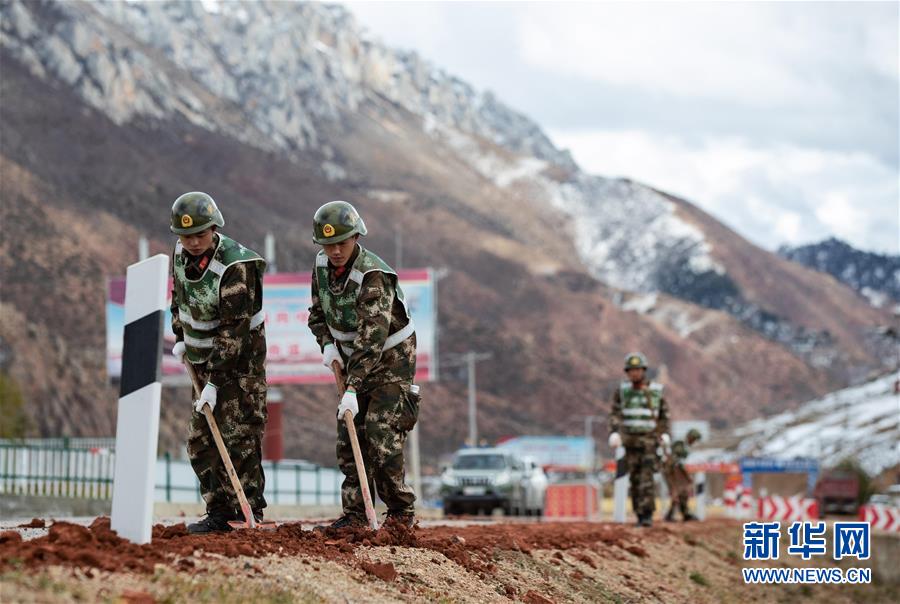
(781, 119)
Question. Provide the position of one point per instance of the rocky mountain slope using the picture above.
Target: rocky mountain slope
(112, 109)
(875, 276)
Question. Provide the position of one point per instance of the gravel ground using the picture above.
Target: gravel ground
(484, 560)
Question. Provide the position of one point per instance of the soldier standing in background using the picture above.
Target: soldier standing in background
(677, 478)
(362, 322)
(218, 321)
(639, 420)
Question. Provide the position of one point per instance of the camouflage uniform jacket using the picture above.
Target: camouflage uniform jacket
(237, 350)
(380, 313)
(661, 419)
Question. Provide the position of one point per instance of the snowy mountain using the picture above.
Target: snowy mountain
(875, 276)
(862, 422)
(112, 109)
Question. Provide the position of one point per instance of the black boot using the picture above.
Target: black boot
(670, 515)
(345, 521)
(213, 523)
(645, 520)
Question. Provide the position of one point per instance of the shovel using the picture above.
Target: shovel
(229, 467)
(357, 454)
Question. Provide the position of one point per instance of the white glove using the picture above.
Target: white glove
(331, 354)
(666, 440)
(615, 441)
(178, 350)
(207, 397)
(348, 403)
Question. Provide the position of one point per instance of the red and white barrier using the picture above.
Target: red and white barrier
(729, 497)
(881, 517)
(738, 501)
(776, 507)
(745, 503)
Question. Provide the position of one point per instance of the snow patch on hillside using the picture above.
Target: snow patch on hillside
(626, 232)
(862, 422)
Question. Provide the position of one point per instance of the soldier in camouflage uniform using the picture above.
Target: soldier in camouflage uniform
(639, 420)
(219, 326)
(677, 478)
(361, 320)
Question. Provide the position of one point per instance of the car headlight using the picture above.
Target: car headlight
(449, 480)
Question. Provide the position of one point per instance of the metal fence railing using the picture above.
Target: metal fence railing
(56, 471)
(64, 442)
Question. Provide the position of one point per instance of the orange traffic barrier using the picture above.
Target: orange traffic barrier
(569, 501)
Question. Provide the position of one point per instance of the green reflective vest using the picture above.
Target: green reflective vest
(640, 408)
(198, 300)
(340, 307)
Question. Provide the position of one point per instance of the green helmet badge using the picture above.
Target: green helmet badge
(194, 212)
(337, 221)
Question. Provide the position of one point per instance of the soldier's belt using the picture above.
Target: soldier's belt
(342, 336)
(392, 340)
(185, 317)
(639, 424)
(637, 412)
(189, 340)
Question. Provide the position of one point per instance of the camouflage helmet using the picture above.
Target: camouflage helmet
(693, 435)
(337, 221)
(635, 360)
(195, 212)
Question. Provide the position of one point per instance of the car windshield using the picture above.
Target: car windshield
(479, 462)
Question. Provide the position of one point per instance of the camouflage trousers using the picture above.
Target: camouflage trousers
(642, 461)
(680, 486)
(240, 415)
(386, 414)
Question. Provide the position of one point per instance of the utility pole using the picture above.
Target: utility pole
(143, 248)
(270, 253)
(473, 402)
(469, 359)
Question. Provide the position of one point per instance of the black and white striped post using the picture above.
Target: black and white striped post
(137, 424)
(620, 486)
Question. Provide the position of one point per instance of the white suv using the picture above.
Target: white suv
(483, 479)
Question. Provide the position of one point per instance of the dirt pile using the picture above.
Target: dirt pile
(472, 547)
(35, 523)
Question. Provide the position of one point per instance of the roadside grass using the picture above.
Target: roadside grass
(699, 579)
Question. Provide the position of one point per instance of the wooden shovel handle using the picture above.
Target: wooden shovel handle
(223, 452)
(357, 452)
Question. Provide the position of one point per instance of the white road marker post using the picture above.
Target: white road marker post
(620, 487)
(137, 424)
